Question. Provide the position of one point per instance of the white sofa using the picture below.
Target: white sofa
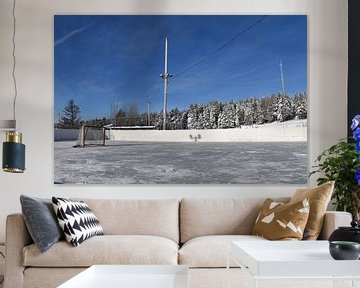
(194, 232)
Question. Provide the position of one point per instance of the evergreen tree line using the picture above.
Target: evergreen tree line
(214, 115)
(234, 114)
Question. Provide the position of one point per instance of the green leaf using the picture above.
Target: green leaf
(338, 163)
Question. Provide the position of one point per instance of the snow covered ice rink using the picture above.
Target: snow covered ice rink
(181, 163)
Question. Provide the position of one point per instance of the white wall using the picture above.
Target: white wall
(263, 133)
(327, 50)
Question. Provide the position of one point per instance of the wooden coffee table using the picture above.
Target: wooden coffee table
(293, 260)
(131, 276)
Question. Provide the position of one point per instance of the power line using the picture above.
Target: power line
(222, 47)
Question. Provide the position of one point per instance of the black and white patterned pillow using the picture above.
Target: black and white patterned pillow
(77, 220)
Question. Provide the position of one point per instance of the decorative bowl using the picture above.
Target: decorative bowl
(344, 250)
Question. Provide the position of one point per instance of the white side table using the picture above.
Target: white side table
(131, 276)
(287, 261)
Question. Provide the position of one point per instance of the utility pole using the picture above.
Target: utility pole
(148, 106)
(282, 78)
(165, 76)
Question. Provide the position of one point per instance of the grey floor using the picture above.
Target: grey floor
(182, 163)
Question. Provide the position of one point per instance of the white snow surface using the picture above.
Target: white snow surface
(181, 163)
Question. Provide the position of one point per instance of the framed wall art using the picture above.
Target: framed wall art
(180, 99)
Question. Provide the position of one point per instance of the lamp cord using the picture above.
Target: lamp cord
(14, 60)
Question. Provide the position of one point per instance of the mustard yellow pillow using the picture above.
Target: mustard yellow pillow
(319, 198)
(279, 221)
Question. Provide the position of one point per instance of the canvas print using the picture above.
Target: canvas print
(180, 99)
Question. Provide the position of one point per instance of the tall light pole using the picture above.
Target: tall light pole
(165, 76)
(282, 78)
(148, 106)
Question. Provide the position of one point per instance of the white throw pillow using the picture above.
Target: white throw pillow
(77, 220)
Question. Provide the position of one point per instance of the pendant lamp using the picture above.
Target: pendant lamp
(13, 159)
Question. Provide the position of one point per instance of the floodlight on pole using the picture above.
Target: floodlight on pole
(165, 76)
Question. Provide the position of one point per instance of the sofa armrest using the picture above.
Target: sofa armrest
(17, 237)
(333, 220)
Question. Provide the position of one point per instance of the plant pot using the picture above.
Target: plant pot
(351, 233)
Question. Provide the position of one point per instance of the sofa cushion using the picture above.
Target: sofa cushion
(200, 217)
(279, 221)
(77, 220)
(211, 251)
(107, 249)
(35, 277)
(319, 198)
(158, 217)
(41, 221)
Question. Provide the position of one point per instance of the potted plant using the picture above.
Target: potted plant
(341, 163)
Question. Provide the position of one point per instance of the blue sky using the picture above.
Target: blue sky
(101, 60)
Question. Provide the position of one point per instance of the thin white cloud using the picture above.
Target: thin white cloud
(70, 34)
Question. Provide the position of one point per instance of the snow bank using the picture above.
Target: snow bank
(293, 130)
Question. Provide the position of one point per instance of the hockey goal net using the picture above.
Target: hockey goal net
(92, 136)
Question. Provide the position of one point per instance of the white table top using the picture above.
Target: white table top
(291, 259)
(131, 276)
